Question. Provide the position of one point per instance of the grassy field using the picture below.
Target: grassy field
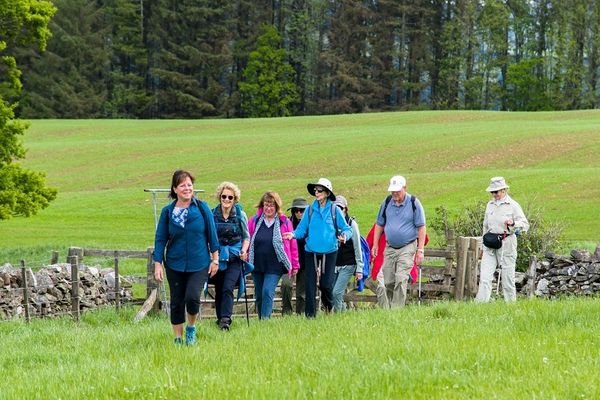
(101, 168)
(530, 350)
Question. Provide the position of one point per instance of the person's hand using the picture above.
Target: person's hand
(293, 272)
(419, 257)
(243, 255)
(359, 276)
(288, 235)
(342, 238)
(213, 269)
(374, 250)
(509, 222)
(158, 272)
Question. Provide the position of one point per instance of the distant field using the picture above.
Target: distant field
(101, 167)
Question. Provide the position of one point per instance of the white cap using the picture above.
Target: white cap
(397, 183)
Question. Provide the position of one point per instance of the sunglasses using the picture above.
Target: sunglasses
(319, 190)
(226, 197)
(300, 210)
(494, 192)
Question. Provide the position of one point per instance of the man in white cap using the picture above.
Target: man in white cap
(402, 218)
(505, 218)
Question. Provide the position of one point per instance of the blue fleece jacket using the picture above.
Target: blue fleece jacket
(318, 230)
(187, 249)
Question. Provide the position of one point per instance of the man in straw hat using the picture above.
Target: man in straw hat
(505, 218)
(402, 218)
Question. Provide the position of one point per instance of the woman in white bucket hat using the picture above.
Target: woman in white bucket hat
(504, 217)
(323, 227)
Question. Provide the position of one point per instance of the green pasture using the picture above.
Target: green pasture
(101, 168)
(529, 350)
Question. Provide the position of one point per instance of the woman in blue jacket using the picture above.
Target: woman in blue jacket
(186, 245)
(323, 227)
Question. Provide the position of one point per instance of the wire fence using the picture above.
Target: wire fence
(64, 289)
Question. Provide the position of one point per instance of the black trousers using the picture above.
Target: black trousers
(185, 288)
(225, 282)
(326, 281)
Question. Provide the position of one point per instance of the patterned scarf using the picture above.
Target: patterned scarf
(179, 216)
(277, 243)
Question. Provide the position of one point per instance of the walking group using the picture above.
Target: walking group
(318, 246)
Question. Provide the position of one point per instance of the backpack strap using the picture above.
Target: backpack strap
(198, 203)
(333, 215)
(387, 201)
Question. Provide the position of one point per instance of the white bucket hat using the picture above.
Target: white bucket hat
(397, 183)
(326, 183)
(496, 183)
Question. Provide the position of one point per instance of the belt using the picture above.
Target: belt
(398, 248)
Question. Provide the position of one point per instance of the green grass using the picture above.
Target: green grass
(102, 166)
(533, 349)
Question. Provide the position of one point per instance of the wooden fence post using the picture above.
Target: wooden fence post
(461, 267)
(151, 283)
(449, 263)
(117, 282)
(471, 280)
(531, 274)
(74, 261)
(75, 251)
(25, 291)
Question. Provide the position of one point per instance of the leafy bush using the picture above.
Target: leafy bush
(542, 236)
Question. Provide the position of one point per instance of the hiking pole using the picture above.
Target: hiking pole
(500, 270)
(419, 266)
(245, 293)
(165, 301)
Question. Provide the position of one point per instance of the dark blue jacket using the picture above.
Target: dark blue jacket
(187, 249)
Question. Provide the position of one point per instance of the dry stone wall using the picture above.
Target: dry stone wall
(49, 290)
(577, 274)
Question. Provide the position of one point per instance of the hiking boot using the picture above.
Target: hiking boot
(190, 335)
(178, 341)
(224, 324)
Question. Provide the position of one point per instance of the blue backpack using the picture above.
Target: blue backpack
(366, 258)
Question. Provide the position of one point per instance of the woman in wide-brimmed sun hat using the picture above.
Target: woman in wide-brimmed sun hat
(323, 227)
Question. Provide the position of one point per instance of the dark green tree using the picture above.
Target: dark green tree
(77, 61)
(22, 23)
(268, 88)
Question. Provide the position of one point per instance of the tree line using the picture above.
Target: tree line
(257, 58)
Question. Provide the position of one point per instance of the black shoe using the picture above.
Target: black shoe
(224, 324)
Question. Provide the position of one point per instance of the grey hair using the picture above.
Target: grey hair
(231, 186)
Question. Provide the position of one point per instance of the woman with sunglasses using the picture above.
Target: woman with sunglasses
(323, 227)
(234, 239)
(269, 253)
(505, 217)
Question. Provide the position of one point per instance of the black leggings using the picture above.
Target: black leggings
(185, 290)
(326, 281)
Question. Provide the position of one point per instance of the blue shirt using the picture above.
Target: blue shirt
(401, 223)
(319, 230)
(187, 248)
